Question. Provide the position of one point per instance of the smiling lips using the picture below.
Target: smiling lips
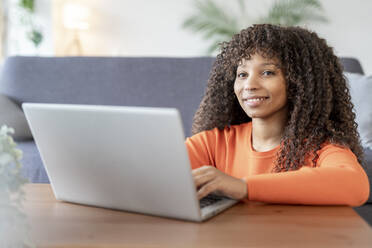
(254, 101)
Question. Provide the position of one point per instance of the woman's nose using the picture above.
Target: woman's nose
(251, 83)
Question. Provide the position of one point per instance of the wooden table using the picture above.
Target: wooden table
(59, 224)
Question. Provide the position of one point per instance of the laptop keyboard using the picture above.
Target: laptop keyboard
(209, 200)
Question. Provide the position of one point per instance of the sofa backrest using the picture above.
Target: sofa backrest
(123, 81)
(351, 65)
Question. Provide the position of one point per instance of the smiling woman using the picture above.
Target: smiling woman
(276, 123)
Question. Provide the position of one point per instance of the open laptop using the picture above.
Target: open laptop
(126, 158)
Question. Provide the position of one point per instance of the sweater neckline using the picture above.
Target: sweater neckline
(270, 153)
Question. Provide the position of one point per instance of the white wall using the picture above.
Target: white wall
(153, 28)
(349, 31)
(135, 28)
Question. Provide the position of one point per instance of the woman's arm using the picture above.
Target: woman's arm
(338, 179)
(202, 148)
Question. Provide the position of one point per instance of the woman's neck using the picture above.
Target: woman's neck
(267, 133)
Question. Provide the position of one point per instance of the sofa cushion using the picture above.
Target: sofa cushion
(365, 212)
(361, 92)
(123, 81)
(32, 166)
(12, 116)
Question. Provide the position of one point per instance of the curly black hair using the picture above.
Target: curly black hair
(319, 102)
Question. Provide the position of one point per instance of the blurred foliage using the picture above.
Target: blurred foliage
(217, 24)
(27, 5)
(14, 230)
(33, 33)
(35, 36)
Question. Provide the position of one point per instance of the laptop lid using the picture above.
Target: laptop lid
(127, 158)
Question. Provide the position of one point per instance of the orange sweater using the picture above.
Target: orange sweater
(337, 179)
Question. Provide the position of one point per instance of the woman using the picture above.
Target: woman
(276, 123)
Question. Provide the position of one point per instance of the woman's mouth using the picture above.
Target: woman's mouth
(254, 101)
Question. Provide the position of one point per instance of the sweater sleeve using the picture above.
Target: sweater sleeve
(201, 148)
(338, 179)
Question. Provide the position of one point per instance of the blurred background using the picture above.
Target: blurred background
(169, 28)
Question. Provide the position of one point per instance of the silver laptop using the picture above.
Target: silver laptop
(126, 158)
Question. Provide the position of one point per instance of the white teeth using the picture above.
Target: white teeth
(256, 99)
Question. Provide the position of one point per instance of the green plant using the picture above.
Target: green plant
(35, 36)
(294, 12)
(28, 5)
(214, 23)
(33, 33)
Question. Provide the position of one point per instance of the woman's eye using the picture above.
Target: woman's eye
(268, 73)
(242, 75)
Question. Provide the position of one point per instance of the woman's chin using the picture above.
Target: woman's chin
(255, 115)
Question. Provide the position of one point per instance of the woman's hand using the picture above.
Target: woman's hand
(208, 179)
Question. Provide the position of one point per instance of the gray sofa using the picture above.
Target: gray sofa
(157, 82)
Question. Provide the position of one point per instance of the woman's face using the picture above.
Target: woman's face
(261, 88)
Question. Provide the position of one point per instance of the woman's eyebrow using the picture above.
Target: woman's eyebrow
(261, 65)
(270, 63)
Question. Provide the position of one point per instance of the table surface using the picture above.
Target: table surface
(59, 224)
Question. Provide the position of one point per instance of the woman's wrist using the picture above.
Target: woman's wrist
(244, 188)
(239, 190)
